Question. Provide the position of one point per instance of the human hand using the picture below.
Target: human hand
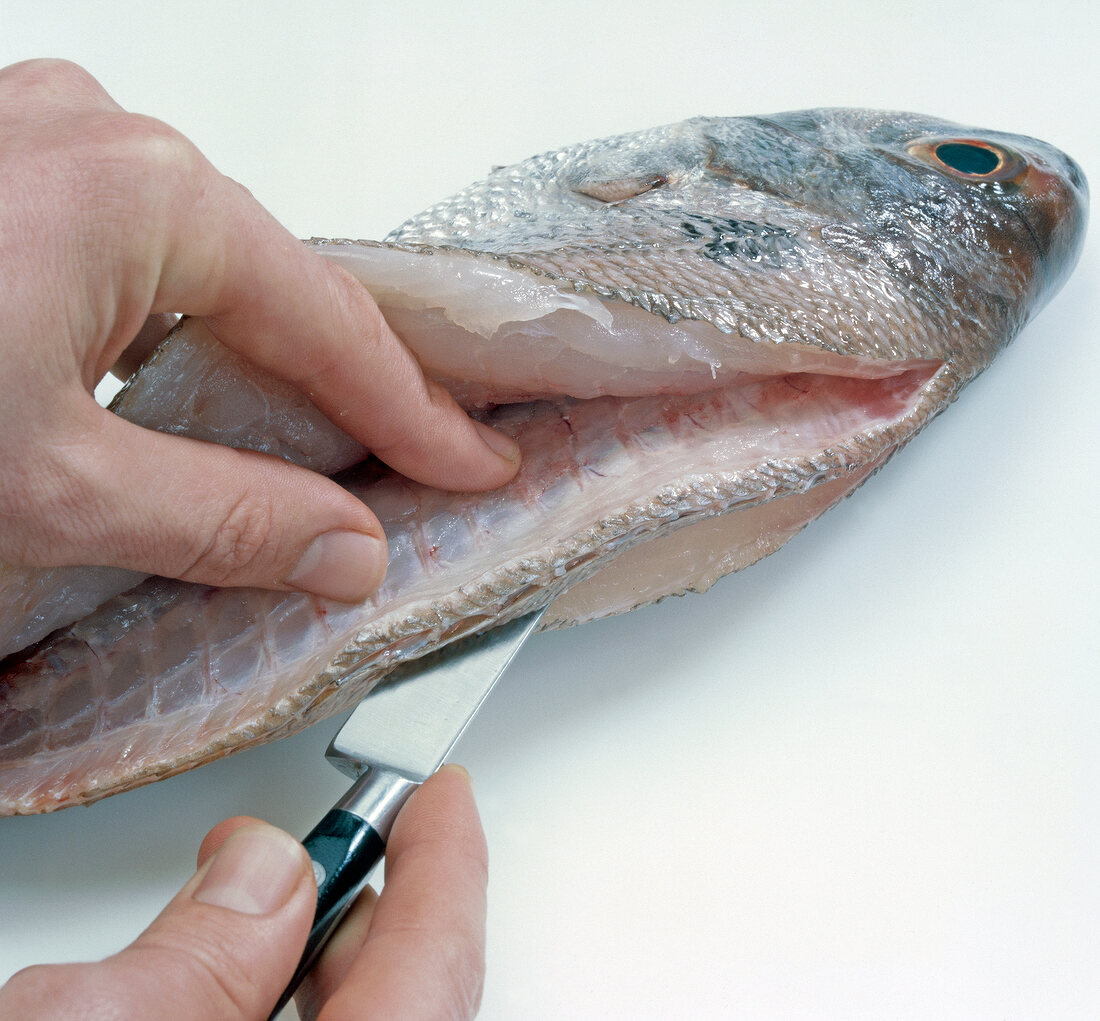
(227, 944)
(108, 218)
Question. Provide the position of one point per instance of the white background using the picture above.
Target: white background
(858, 781)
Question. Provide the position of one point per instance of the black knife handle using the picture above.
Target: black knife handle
(344, 850)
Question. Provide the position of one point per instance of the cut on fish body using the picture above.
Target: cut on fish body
(695, 367)
(221, 667)
(536, 341)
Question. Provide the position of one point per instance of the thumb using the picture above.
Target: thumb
(224, 948)
(118, 495)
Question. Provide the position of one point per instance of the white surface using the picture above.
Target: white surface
(859, 780)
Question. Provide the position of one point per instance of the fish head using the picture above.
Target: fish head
(1021, 204)
(978, 216)
(877, 235)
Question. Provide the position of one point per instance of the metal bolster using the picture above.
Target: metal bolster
(378, 798)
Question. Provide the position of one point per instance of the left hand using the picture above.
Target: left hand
(108, 218)
(227, 944)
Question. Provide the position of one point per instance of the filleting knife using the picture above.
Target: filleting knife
(396, 738)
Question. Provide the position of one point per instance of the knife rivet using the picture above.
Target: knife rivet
(319, 872)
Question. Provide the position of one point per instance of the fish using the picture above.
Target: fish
(702, 335)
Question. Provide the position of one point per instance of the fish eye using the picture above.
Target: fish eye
(970, 159)
(967, 158)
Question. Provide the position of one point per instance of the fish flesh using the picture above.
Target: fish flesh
(702, 336)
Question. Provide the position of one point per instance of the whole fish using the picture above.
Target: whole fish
(702, 335)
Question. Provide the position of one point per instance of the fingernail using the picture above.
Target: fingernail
(343, 565)
(458, 770)
(497, 442)
(254, 872)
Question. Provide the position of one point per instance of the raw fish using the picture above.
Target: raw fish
(703, 336)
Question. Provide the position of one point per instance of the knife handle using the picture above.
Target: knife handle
(345, 846)
(344, 850)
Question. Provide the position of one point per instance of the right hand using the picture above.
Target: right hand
(226, 946)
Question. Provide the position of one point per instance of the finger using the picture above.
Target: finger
(177, 236)
(148, 338)
(225, 946)
(423, 950)
(283, 306)
(220, 834)
(47, 84)
(186, 509)
(337, 958)
(341, 949)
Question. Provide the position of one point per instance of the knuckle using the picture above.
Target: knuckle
(46, 502)
(451, 975)
(51, 76)
(75, 155)
(204, 971)
(121, 168)
(458, 972)
(240, 547)
(148, 155)
(317, 372)
(464, 973)
(354, 335)
(158, 145)
(71, 990)
(26, 985)
(362, 309)
(108, 167)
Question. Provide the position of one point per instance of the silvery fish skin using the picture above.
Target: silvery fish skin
(703, 336)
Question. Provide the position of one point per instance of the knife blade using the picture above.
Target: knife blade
(396, 738)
